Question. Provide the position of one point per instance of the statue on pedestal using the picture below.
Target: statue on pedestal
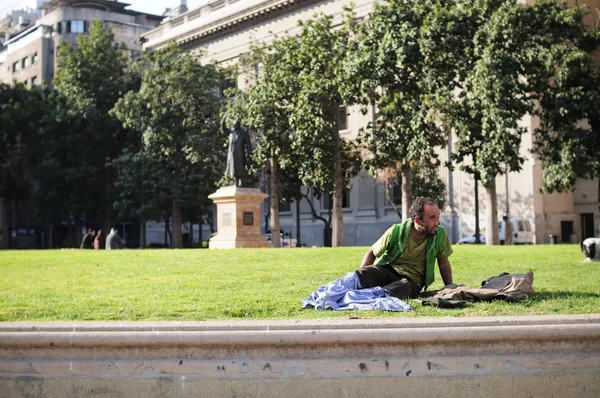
(238, 154)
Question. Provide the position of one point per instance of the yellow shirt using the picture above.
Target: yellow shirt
(412, 260)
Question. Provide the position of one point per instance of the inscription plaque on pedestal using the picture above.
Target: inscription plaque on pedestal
(248, 218)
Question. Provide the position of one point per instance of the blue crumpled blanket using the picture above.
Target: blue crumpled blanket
(345, 294)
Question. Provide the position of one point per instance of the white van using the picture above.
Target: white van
(522, 231)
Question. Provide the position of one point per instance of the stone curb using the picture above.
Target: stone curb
(467, 357)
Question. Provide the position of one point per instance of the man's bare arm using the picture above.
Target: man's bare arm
(445, 271)
(368, 259)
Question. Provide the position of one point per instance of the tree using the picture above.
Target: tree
(142, 187)
(267, 108)
(527, 56)
(177, 108)
(425, 181)
(327, 80)
(22, 112)
(488, 141)
(394, 67)
(297, 85)
(567, 78)
(92, 77)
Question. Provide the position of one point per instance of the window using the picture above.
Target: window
(327, 200)
(78, 27)
(15, 66)
(63, 27)
(34, 81)
(342, 118)
(285, 207)
(25, 62)
(34, 58)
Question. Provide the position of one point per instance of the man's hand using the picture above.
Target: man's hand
(445, 271)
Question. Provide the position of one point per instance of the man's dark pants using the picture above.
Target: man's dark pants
(387, 277)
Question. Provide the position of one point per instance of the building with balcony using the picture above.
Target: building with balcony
(30, 56)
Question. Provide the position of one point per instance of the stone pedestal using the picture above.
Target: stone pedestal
(238, 218)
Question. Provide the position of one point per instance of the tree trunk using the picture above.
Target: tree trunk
(338, 187)
(274, 203)
(4, 223)
(491, 210)
(177, 237)
(191, 235)
(477, 240)
(298, 223)
(406, 191)
(70, 242)
(316, 216)
(77, 236)
(200, 234)
(142, 233)
(107, 222)
(210, 219)
(167, 232)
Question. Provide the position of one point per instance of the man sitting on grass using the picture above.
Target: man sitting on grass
(405, 255)
(396, 267)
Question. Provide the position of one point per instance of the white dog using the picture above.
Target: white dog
(591, 249)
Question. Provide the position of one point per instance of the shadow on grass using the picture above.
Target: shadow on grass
(564, 295)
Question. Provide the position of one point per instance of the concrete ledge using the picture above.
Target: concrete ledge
(468, 357)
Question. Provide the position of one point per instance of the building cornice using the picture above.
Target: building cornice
(192, 27)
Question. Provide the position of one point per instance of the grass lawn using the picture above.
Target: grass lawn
(194, 285)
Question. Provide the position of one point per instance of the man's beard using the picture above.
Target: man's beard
(429, 231)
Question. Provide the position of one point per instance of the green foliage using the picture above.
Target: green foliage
(91, 73)
(194, 285)
(21, 111)
(566, 76)
(519, 59)
(177, 110)
(91, 78)
(475, 85)
(394, 65)
(427, 182)
(142, 186)
(297, 85)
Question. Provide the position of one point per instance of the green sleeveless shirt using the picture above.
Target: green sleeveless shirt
(397, 244)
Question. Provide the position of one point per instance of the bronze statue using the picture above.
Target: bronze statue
(238, 155)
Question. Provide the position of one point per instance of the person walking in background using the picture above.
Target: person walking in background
(87, 242)
(508, 231)
(99, 241)
(113, 240)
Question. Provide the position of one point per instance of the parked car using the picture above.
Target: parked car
(522, 231)
(470, 240)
